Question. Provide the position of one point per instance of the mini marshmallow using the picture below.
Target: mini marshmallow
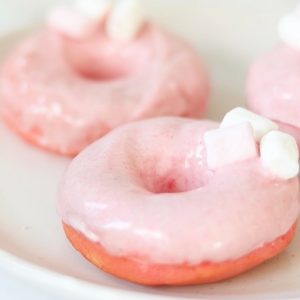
(125, 21)
(279, 154)
(71, 23)
(225, 146)
(94, 9)
(289, 30)
(260, 125)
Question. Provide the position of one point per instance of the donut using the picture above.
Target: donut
(274, 79)
(153, 202)
(72, 82)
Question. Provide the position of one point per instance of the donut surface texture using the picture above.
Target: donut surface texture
(144, 196)
(63, 94)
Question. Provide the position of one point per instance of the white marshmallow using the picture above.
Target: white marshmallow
(125, 21)
(289, 30)
(94, 9)
(228, 145)
(69, 22)
(260, 125)
(279, 154)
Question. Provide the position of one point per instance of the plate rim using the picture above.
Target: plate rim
(36, 274)
(66, 285)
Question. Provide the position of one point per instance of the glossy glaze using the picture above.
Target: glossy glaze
(273, 87)
(145, 191)
(51, 102)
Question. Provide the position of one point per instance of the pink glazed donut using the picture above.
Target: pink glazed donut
(273, 86)
(157, 215)
(63, 93)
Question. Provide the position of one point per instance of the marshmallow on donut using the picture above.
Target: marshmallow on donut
(279, 154)
(260, 125)
(140, 212)
(94, 9)
(233, 143)
(123, 21)
(228, 145)
(289, 28)
(126, 20)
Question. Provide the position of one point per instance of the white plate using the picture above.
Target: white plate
(230, 34)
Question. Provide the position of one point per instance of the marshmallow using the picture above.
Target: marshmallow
(228, 145)
(125, 21)
(71, 23)
(279, 154)
(260, 125)
(94, 9)
(289, 29)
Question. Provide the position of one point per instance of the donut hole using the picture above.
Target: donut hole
(103, 70)
(168, 156)
(175, 180)
(100, 58)
(168, 185)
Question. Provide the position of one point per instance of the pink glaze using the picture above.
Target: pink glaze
(274, 87)
(47, 99)
(145, 191)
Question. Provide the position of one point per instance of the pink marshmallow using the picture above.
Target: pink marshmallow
(225, 146)
(71, 23)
